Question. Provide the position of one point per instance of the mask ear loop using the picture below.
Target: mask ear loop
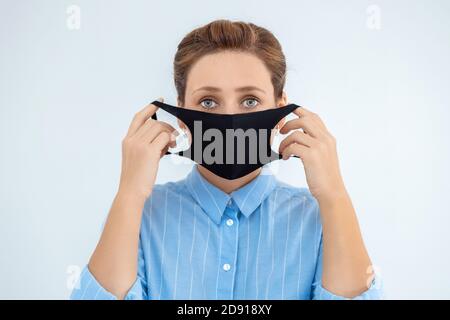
(277, 132)
(183, 135)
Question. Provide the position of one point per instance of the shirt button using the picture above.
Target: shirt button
(230, 222)
(226, 267)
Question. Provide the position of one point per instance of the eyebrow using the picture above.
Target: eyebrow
(241, 89)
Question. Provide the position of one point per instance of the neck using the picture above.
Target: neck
(226, 185)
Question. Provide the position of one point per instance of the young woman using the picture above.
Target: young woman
(207, 237)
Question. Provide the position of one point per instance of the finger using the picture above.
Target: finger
(295, 149)
(169, 128)
(153, 131)
(161, 141)
(303, 112)
(166, 148)
(305, 123)
(142, 131)
(297, 137)
(140, 118)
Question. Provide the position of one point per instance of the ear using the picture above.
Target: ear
(281, 103)
(283, 100)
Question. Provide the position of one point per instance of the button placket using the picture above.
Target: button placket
(229, 225)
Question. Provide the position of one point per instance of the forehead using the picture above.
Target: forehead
(228, 70)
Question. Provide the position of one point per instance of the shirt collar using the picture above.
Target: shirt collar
(214, 201)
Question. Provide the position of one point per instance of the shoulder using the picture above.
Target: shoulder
(297, 199)
(294, 194)
(164, 194)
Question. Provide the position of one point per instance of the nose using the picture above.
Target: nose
(230, 107)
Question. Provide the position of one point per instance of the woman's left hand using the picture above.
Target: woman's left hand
(316, 147)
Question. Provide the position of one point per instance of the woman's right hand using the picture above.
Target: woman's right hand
(147, 140)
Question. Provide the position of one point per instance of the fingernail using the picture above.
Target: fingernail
(161, 99)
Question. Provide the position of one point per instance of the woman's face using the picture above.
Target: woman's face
(230, 82)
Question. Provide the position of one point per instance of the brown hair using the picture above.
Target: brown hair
(221, 35)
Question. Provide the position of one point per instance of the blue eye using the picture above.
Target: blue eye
(254, 103)
(209, 105)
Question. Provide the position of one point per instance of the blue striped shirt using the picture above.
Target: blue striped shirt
(262, 241)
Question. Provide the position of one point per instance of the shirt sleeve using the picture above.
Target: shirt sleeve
(88, 288)
(373, 292)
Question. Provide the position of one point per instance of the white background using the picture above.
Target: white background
(67, 97)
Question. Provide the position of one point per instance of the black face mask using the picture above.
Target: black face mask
(214, 138)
